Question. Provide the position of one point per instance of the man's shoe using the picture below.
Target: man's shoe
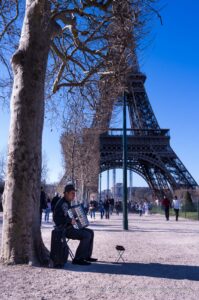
(58, 266)
(91, 259)
(81, 262)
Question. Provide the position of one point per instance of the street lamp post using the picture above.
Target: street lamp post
(108, 182)
(125, 211)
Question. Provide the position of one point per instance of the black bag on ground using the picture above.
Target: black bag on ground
(59, 248)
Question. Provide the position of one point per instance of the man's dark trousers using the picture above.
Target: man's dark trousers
(85, 236)
(176, 213)
(167, 212)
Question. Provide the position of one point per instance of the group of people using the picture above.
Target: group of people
(109, 205)
(105, 207)
(92, 208)
(143, 208)
(167, 204)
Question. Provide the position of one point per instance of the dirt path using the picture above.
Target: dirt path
(161, 262)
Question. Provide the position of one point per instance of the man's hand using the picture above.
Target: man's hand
(73, 222)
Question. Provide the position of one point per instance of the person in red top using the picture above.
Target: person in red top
(166, 203)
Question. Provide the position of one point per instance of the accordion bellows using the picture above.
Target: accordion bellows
(77, 212)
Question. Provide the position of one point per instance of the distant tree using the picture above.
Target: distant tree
(78, 149)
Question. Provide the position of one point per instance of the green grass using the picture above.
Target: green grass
(187, 215)
(190, 215)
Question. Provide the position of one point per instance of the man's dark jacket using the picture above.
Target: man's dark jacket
(60, 213)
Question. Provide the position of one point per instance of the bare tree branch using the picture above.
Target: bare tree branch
(8, 7)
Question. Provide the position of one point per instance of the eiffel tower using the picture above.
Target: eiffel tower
(149, 153)
(148, 146)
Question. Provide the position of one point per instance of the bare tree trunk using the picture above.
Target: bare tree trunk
(21, 241)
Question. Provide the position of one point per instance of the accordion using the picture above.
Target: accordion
(77, 212)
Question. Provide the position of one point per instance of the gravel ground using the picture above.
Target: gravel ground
(161, 262)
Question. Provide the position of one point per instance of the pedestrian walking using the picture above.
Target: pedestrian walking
(101, 209)
(176, 206)
(47, 210)
(92, 209)
(146, 208)
(140, 209)
(43, 204)
(166, 204)
(107, 207)
(112, 202)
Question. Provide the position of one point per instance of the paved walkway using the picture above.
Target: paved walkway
(161, 262)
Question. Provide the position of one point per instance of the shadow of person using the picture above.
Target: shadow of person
(178, 272)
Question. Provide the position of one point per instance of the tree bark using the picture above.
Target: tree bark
(21, 240)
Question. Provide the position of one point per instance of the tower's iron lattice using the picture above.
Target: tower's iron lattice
(148, 146)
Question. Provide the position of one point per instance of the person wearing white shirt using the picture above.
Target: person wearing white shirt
(176, 206)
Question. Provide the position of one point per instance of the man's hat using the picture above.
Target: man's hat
(69, 187)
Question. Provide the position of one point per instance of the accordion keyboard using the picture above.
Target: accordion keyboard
(77, 212)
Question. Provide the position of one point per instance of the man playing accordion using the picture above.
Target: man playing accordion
(84, 235)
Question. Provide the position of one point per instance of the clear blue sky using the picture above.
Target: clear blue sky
(171, 63)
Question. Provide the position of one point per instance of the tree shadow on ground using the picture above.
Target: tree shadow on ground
(138, 229)
(177, 272)
(104, 225)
